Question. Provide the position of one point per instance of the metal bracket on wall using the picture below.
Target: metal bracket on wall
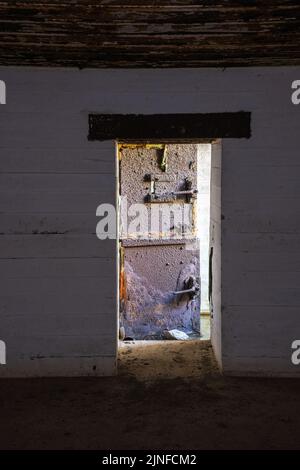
(154, 196)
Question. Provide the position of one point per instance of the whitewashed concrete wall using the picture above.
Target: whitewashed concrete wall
(215, 237)
(203, 203)
(58, 284)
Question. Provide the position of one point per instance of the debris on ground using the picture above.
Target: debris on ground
(175, 334)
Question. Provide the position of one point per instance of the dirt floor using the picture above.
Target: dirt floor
(167, 396)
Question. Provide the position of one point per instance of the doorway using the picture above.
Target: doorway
(164, 241)
(182, 127)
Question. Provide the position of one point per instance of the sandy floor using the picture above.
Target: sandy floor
(167, 396)
(149, 361)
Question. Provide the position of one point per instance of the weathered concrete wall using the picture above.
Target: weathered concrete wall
(203, 203)
(161, 261)
(58, 281)
(215, 252)
(148, 308)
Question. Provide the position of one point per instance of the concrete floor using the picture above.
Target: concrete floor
(170, 396)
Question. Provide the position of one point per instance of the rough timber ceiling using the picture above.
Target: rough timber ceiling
(149, 33)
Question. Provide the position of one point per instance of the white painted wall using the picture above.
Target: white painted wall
(215, 236)
(203, 220)
(58, 282)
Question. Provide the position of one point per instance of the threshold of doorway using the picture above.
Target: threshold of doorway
(154, 360)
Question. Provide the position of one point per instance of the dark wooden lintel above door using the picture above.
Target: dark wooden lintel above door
(167, 127)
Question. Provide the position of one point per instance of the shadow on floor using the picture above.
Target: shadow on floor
(171, 398)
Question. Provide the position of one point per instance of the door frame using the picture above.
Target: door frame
(172, 128)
